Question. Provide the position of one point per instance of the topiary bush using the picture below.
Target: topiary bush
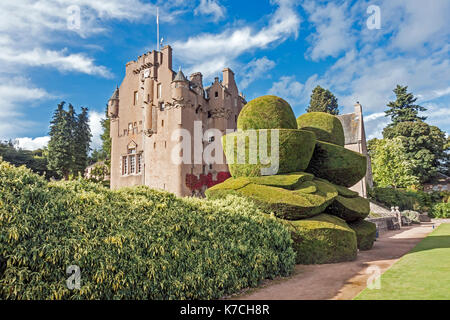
(350, 209)
(327, 127)
(322, 239)
(337, 164)
(365, 233)
(302, 202)
(133, 243)
(295, 149)
(266, 112)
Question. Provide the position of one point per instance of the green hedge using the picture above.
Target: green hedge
(337, 164)
(295, 148)
(322, 239)
(350, 209)
(365, 233)
(327, 127)
(131, 243)
(440, 211)
(266, 112)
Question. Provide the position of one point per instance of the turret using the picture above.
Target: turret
(179, 85)
(113, 104)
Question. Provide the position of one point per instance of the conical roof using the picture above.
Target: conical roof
(180, 76)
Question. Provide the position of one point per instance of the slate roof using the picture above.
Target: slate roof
(180, 76)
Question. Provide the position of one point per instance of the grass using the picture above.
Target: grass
(422, 274)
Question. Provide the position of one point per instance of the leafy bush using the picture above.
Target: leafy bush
(130, 243)
(365, 233)
(412, 215)
(440, 211)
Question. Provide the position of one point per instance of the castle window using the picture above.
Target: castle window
(159, 91)
(161, 106)
(136, 96)
(165, 144)
(132, 164)
(125, 132)
(210, 166)
(209, 114)
(139, 162)
(154, 145)
(216, 94)
(235, 102)
(211, 139)
(124, 165)
(162, 123)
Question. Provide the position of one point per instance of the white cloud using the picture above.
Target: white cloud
(233, 42)
(32, 143)
(211, 7)
(255, 69)
(95, 119)
(333, 35)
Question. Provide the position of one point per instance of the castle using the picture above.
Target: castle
(153, 102)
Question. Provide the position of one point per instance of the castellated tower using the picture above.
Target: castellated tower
(148, 110)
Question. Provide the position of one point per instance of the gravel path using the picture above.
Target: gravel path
(342, 281)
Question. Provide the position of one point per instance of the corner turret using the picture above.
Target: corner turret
(113, 104)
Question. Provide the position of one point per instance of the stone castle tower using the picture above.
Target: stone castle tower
(149, 106)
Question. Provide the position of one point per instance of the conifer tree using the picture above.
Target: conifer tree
(82, 140)
(322, 100)
(106, 138)
(60, 154)
(404, 107)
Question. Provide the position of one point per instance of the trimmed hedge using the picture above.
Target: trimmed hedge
(342, 191)
(131, 243)
(337, 164)
(327, 127)
(322, 239)
(366, 233)
(284, 203)
(350, 209)
(266, 112)
(296, 148)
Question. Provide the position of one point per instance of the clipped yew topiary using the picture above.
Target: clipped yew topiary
(366, 232)
(305, 201)
(337, 164)
(266, 112)
(350, 209)
(326, 126)
(243, 150)
(322, 239)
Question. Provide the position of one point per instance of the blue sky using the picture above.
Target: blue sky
(282, 47)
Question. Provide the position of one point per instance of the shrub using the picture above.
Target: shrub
(337, 164)
(440, 211)
(365, 233)
(322, 239)
(296, 148)
(131, 243)
(405, 199)
(266, 112)
(412, 215)
(327, 127)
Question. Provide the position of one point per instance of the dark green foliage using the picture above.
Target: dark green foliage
(322, 100)
(350, 209)
(322, 239)
(405, 199)
(82, 141)
(295, 150)
(337, 164)
(300, 203)
(266, 112)
(104, 153)
(403, 108)
(365, 233)
(424, 145)
(132, 243)
(327, 127)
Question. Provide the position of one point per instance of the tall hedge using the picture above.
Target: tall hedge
(130, 244)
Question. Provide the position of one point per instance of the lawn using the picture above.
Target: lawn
(422, 274)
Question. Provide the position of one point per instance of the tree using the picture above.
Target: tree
(404, 107)
(424, 144)
(60, 146)
(106, 138)
(323, 100)
(82, 140)
(391, 165)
